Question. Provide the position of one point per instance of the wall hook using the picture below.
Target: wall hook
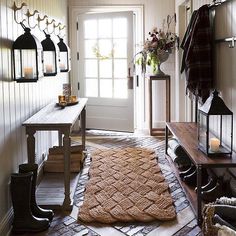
(15, 9)
(28, 14)
(56, 26)
(232, 43)
(39, 19)
(60, 29)
(49, 23)
(63, 27)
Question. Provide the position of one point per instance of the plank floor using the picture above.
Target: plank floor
(66, 223)
(51, 189)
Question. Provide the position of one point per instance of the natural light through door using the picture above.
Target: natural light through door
(106, 47)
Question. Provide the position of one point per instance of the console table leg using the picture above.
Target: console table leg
(59, 138)
(199, 194)
(30, 145)
(66, 145)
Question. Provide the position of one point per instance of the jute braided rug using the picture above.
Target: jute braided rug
(126, 185)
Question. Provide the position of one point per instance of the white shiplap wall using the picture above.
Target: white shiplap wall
(225, 57)
(225, 71)
(18, 101)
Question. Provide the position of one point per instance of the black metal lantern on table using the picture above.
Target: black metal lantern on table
(215, 127)
(50, 54)
(27, 57)
(64, 56)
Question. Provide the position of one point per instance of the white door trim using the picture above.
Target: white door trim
(74, 11)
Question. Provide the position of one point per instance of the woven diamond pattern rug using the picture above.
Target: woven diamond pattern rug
(126, 185)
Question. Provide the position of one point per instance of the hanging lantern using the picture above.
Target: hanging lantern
(215, 127)
(50, 53)
(64, 64)
(27, 57)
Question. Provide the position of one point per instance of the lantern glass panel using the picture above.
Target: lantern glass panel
(49, 62)
(220, 128)
(226, 130)
(63, 61)
(202, 138)
(17, 64)
(214, 126)
(29, 67)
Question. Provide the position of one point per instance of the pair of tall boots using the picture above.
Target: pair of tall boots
(28, 216)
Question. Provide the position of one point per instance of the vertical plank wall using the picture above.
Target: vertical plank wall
(18, 101)
(225, 70)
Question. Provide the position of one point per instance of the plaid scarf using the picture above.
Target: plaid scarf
(198, 54)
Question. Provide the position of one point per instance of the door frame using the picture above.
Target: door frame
(74, 11)
(185, 107)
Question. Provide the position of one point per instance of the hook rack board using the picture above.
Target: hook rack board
(229, 40)
(39, 19)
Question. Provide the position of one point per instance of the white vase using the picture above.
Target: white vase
(162, 56)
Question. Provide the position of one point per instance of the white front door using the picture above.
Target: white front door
(105, 42)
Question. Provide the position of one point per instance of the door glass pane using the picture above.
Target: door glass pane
(90, 29)
(120, 28)
(120, 68)
(120, 48)
(105, 57)
(105, 68)
(105, 48)
(120, 88)
(91, 88)
(90, 45)
(106, 88)
(91, 68)
(104, 28)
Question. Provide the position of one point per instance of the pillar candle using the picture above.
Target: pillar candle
(214, 144)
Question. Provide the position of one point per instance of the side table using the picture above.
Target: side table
(158, 131)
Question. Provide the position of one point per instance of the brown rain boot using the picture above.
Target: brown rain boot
(24, 221)
(36, 210)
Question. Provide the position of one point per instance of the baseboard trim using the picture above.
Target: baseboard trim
(5, 224)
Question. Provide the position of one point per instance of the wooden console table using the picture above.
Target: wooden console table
(186, 133)
(158, 131)
(53, 117)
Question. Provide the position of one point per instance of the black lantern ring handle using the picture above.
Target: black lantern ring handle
(22, 25)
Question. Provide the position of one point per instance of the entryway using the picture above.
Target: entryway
(105, 45)
(106, 40)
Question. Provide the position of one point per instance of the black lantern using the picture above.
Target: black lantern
(50, 53)
(64, 56)
(215, 127)
(27, 57)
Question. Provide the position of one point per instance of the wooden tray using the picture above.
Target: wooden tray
(68, 104)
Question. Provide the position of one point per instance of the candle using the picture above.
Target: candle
(62, 66)
(48, 68)
(61, 98)
(73, 98)
(214, 144)
(28, 72)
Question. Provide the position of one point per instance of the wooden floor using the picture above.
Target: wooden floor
(66, 223)
(51, 189)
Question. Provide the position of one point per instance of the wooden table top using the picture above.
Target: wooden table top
(53, 115)
(186, 133)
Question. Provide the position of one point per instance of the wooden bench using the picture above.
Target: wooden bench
(186, 133)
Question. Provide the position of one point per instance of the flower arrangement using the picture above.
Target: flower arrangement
(157, 47)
